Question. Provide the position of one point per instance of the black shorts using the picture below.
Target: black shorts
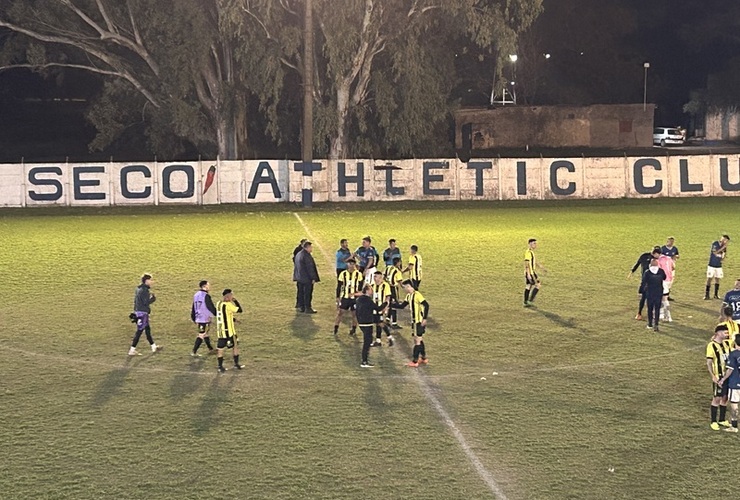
(531, 281)
(224, 342)
(416, 284)
(203, 328)
(721, 392)
(377, 318)
(347, 304)
(418, 330)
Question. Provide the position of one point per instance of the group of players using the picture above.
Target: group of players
(202, 313)
(658, 272)
(723, 350)
(370, 296)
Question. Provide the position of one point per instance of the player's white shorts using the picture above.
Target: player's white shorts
(369, 274)
(734, 396)
(715, 272)
(667, 287)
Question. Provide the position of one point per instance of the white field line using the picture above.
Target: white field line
(421, 380)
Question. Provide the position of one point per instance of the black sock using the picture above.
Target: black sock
(236, 359)
(713, 413)
(387, 330)
(336, 328)
(207, 340)
(526, 295)
(534, 294)
(221, 364)
(722, 412)
(716, 289)
(734, 424)
(423, 350)
(198, 342)
(378, 335)
(393, 316)
(417, 348)
(706, 291)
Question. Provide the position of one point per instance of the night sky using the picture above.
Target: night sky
(684, 41)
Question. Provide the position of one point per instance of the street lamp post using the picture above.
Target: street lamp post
(644, 89)
(513, 58)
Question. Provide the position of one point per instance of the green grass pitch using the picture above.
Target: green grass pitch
(586, 404)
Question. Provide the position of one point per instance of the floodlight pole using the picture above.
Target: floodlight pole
(307, 135)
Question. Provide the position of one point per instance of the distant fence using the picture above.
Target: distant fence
(261, 181)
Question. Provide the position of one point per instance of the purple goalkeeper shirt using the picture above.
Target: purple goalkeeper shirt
(202, 314)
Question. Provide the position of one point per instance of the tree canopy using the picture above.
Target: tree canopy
(211, 73)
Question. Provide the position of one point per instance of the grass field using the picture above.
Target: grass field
(587, 403)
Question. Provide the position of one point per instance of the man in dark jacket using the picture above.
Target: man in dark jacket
(652, 287)
(306, 275)
(296, 250)
(143, 298)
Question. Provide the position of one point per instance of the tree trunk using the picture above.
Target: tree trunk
(241, 138)
(231, 133)
(225, 152)
(339, 144)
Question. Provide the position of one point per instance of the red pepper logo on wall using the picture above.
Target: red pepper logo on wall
(210, 176)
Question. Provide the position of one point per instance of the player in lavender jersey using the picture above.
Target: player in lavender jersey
(201, 314)
(143, 298)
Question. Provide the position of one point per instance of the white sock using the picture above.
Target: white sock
(154, 347)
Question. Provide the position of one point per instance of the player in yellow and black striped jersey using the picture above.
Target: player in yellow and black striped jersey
(227, 339)
(732, 326)
(532, 281)
(419, 314)
(718, 349)
(394, 277)
(414, 267)
(381, 297)
(350, 282)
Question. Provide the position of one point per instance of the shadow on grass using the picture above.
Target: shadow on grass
(112, 384)
(705, 310)
(207, 415)
(434, 325)
(303, 326)
(558, 320)
(185, 384)
(377, 381)
(689, 335)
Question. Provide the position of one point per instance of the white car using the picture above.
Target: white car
(664, 136)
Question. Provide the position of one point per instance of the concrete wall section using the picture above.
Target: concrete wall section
(605, 177)
(440, 179)
(615, 126)
(723, 125)
(12, 180)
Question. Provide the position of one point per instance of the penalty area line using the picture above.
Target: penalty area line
(421, 381)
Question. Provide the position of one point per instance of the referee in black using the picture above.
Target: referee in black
(366, 309)
(644, 262)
